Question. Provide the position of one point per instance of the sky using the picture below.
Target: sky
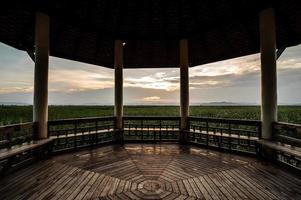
(74, 83)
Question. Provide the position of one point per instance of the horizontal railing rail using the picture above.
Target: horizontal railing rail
(79, 120)
(16, 134)
(152, 128)
(225, 120)
(287, 133)
(228, 134)
(81, 132)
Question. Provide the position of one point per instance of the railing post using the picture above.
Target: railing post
(184, 90)
(160, 133)
(194, 133)
(118, 62)
(96, 132)
(9, 139)
(259, 129)
(75, 134)
(207, 130)
(40, 101)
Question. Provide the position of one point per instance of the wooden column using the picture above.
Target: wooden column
(118, 111)
(268, 71)
(40, 101)
(184, 89)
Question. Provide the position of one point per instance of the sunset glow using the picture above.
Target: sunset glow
(80, 83)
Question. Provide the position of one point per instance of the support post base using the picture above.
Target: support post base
(118, 136)
(183, 138)
(265, 153)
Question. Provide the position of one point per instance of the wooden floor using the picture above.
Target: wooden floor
(148, 171)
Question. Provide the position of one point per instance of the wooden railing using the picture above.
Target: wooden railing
(75, 133)
(227, 134)
(18, 147)
(287, 133)
(238, 135)
(16, 134)
(223, 134)
(151, 128)
(288, 149)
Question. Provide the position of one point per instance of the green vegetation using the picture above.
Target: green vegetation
(17, 114)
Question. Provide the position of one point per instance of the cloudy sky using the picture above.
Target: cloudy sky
(236, 80)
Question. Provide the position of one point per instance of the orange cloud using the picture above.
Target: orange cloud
(151, 99)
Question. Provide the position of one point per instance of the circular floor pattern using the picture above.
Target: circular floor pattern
(147, 171)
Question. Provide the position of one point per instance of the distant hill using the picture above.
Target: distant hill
(289, 104)
(226, 103)
(14, 104)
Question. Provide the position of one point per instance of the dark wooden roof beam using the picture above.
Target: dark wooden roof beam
(31, 54)
(279, 52)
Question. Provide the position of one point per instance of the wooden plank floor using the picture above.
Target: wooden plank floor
(136, 171)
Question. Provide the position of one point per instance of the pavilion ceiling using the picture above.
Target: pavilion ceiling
(85, 30)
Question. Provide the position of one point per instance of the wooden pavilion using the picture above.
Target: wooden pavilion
(151, 34)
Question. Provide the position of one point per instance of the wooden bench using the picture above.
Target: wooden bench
(12, 157)
(280, 147)
(286, 155)
(6, 153)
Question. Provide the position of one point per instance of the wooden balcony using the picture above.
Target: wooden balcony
(168, 34)
(150, 171)
(224, 159)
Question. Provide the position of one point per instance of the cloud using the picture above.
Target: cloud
(234, 80)
(16, 90)
(151, 99)
(78, 80)
(153, 80)
(134, 96)
(206, 84)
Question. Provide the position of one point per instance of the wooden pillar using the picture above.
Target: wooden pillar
(40, 101)
(268, 71)
(184, 89)
(118, 111)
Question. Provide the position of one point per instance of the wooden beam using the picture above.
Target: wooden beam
(279, 52)
(31, 55)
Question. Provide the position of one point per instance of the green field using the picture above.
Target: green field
(17, 114)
